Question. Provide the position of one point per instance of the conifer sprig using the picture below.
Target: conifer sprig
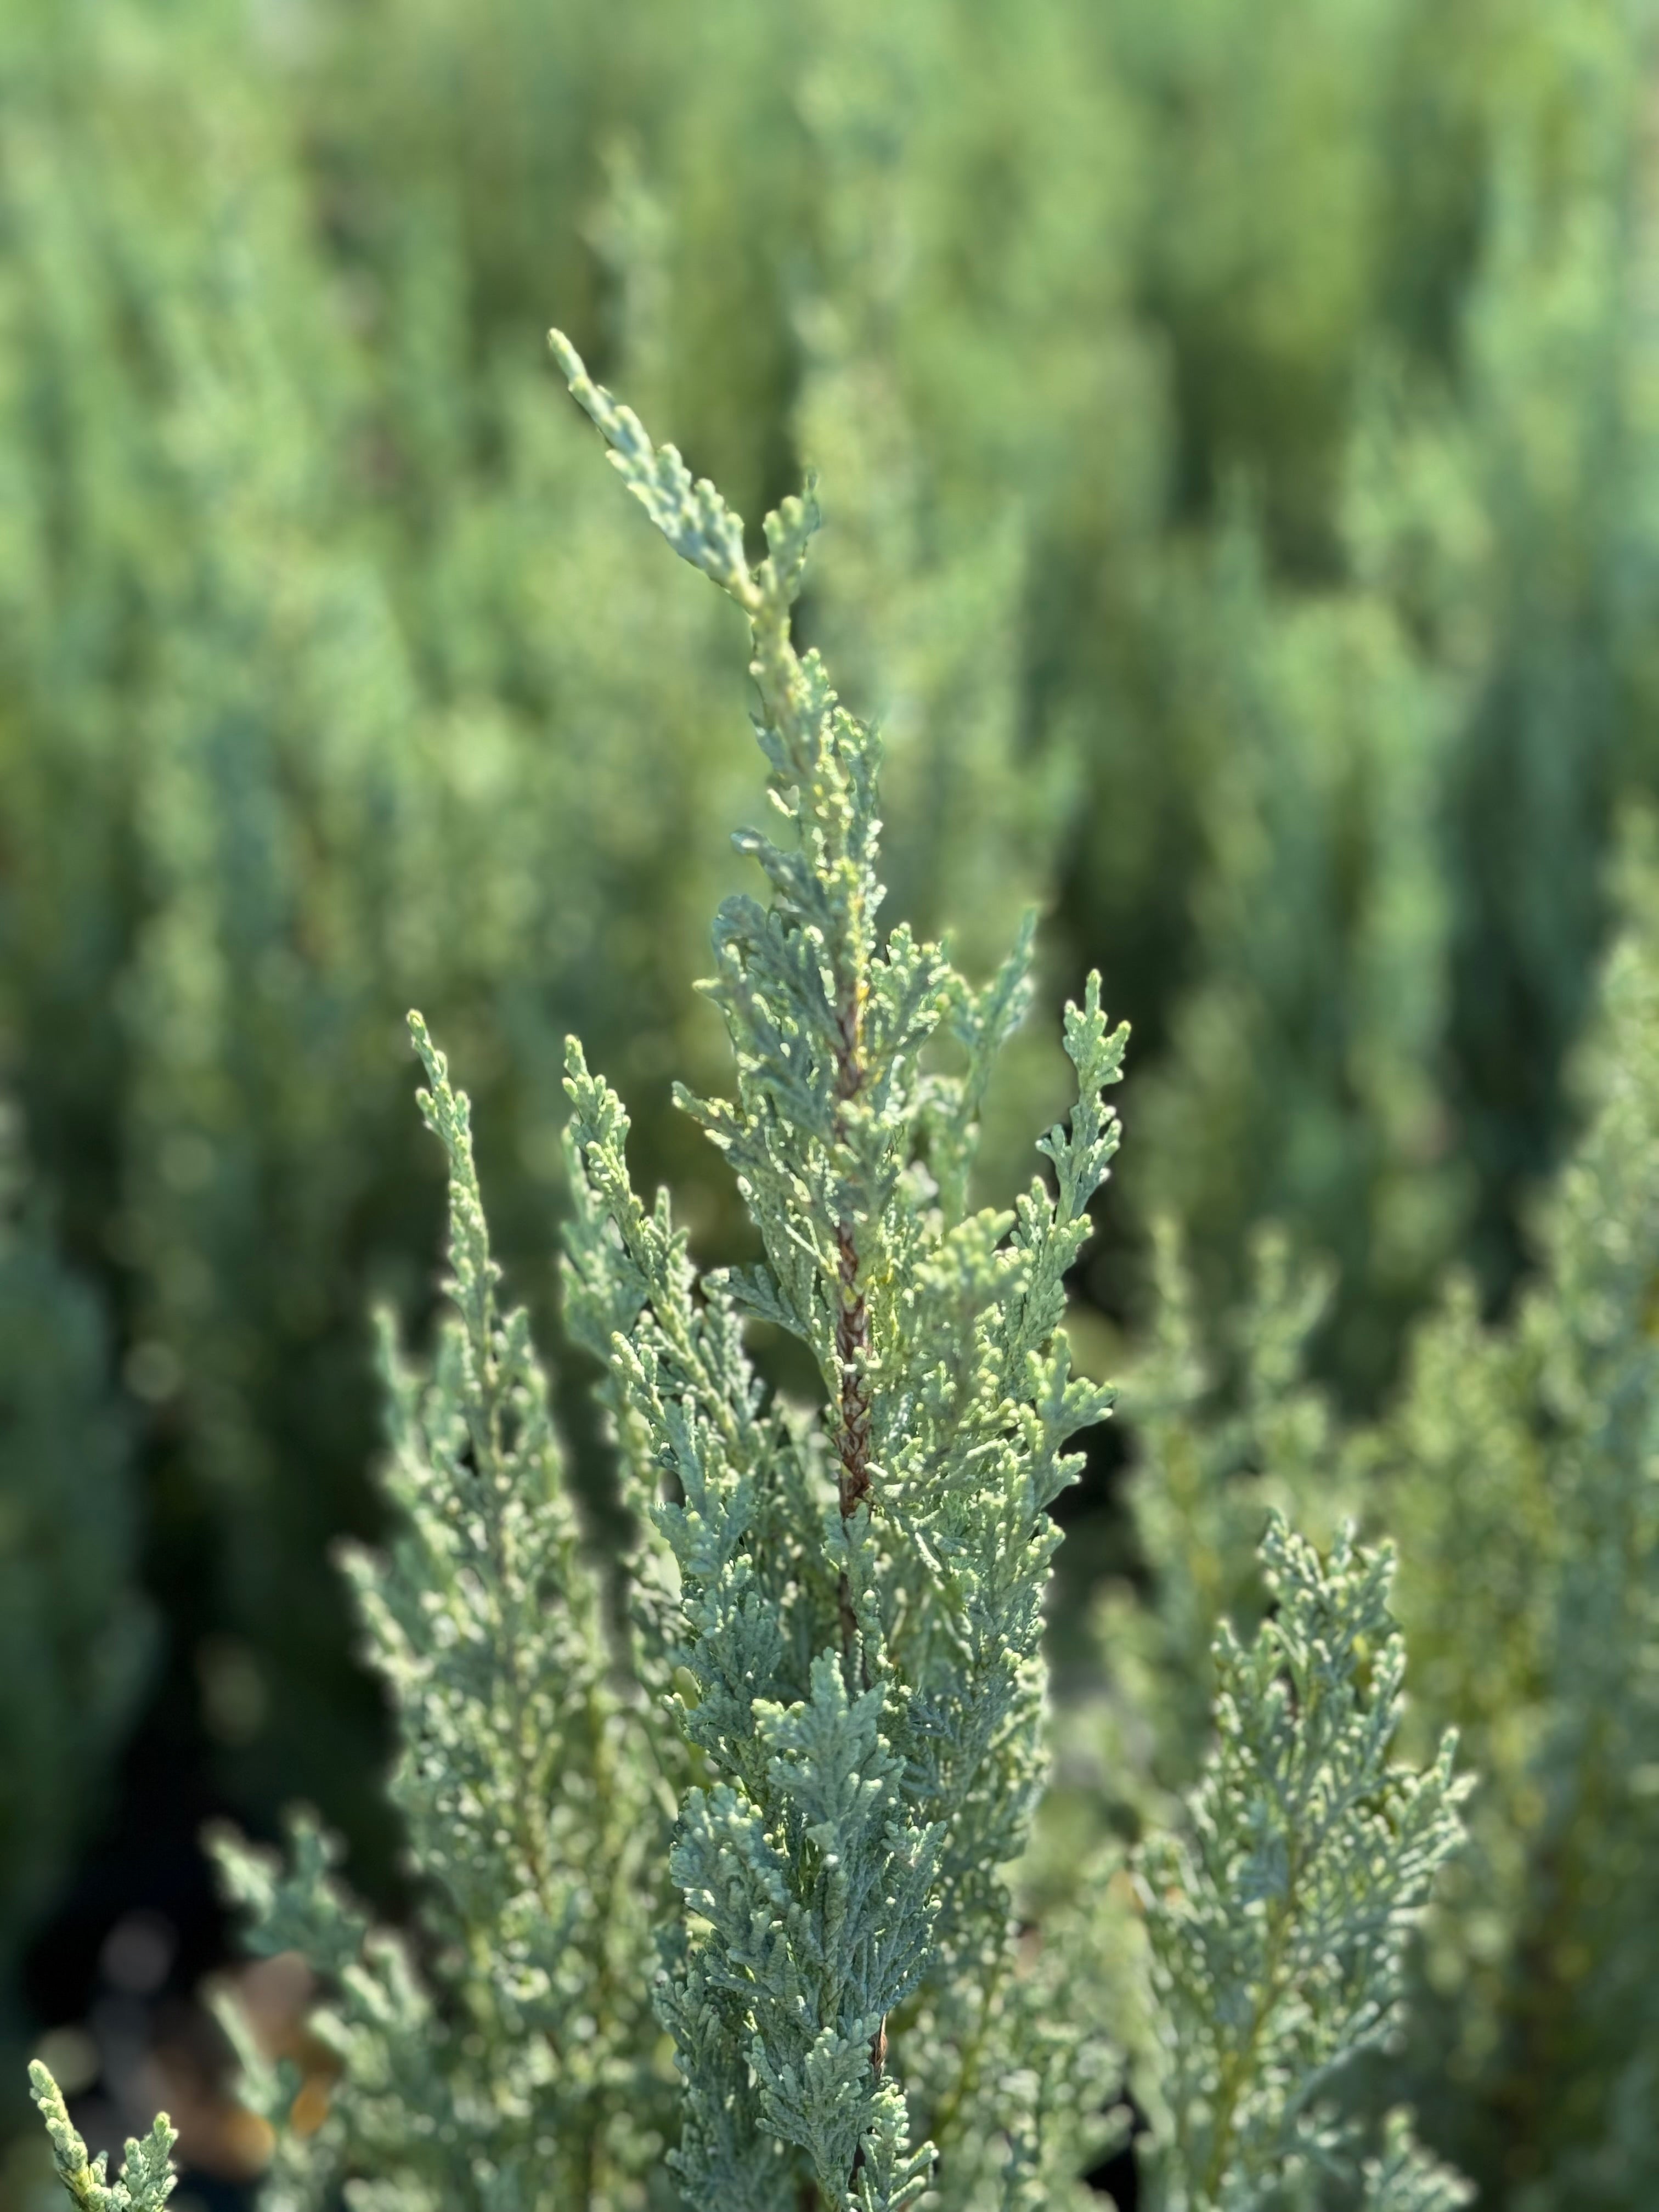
(868, 1688)
(1279, 1922)
(146, 2179)
(536, 1799)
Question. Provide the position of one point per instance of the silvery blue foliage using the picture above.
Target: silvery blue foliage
(768, 1801)
(536, 1799)
(1279, 1919)
(861, 1588)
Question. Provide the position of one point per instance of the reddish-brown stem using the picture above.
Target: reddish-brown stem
(852, 1346)
(852, 1318)
(852, 1351)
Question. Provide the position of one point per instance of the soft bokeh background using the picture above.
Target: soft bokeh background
(1238, 429)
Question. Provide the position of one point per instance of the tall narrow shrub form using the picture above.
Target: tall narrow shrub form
(863, 1679)
(1032, 282)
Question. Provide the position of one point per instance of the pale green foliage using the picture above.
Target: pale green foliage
(1405, 2178)
(366, 728)
(840, 1606)
(860, 1592)
(305, 708)
(146, 2179)
(304, 714)
(534, 1798)
(1278, 1923)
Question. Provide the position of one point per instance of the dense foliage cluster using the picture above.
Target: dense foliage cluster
(1238, 428)
(1514, 1471)
(839, 1614)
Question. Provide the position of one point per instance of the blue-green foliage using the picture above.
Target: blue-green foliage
(1214, 1450)
(1279, 1931)
(306, 712)
(860, 1596)
(1515, 1474)
(1399, 682)
(1237, 423)
(535, 1800)
(826, 1657)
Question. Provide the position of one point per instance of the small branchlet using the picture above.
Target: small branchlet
(536, 1795)
(1278, 1921)
(146, 2179)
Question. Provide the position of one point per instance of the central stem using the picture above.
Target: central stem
(852, 1346)
(852, 1358)
(852, 1318)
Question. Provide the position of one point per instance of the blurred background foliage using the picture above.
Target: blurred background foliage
(1238, 426)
